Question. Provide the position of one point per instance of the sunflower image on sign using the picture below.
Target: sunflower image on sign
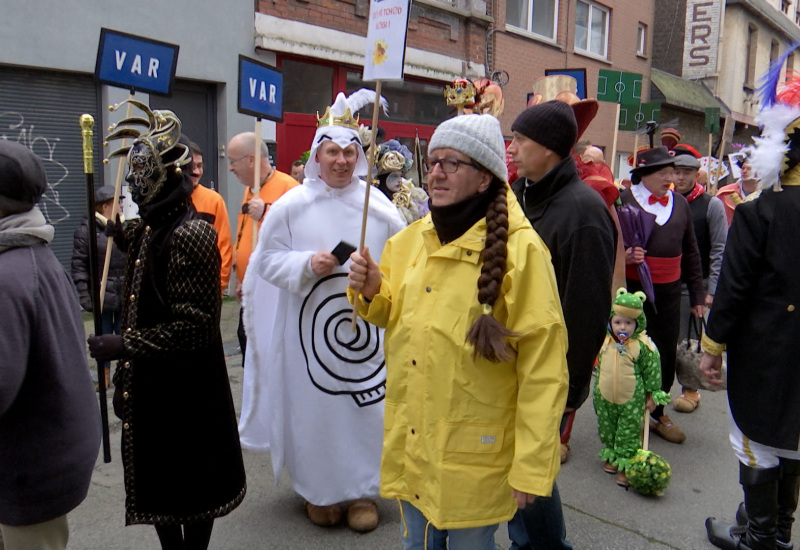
(379, 53)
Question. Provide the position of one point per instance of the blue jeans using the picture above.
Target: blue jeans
(111, 322)
(475, 538)
(540, 525)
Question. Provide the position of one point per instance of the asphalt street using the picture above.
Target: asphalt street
(599, 515)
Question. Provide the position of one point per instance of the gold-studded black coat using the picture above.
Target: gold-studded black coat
(180, 445)
(756, 314)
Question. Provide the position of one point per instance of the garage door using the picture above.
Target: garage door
(41, 109)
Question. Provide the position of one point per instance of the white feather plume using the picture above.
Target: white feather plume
(363, 97)
(767, 157)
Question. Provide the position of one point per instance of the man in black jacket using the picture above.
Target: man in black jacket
(575, 224)
(755, 318)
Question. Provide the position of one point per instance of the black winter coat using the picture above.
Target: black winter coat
(80, 267)
(574, 223)
(180, 443)
(757, 314)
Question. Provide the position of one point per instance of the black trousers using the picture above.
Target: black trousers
(663, 326)
(240, 334)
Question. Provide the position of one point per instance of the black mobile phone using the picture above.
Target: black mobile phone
(342, 251)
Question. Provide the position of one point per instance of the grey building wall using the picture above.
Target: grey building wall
(63, 35)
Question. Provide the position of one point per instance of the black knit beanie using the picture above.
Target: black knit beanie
(551, 124)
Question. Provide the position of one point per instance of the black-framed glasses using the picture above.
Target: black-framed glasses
(448, 166)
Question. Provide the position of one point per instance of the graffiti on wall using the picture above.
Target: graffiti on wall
(14, 128)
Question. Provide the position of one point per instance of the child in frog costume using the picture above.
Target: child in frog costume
(628, 380)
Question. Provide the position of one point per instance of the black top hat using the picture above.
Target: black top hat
(657, 156)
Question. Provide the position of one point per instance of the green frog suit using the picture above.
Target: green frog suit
(627, 371)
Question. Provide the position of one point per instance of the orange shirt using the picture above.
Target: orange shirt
(207, 201)
(277, 184)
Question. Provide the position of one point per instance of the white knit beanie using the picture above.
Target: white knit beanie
(477, 136)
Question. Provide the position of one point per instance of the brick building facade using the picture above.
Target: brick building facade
(525, 53)
(448, 39)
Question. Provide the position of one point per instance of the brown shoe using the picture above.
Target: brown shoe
(565, 449)
(362, 516)
(667, 429)
(622, 479)
(324, 516)
(610, 468)
(687, 402)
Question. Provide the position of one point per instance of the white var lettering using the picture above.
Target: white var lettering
(136, 68)
(260, 87)
(152, 69)
(120, 56)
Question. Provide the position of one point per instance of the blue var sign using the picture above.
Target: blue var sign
(136, 63)
(260, 90)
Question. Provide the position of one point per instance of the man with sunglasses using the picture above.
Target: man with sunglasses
(242, 162)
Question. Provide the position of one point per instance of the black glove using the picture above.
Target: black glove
(114, 228)
(105, 347)
(86, 303)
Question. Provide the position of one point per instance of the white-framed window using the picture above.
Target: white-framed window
(641, 39)
(591, 28)
(535, 16)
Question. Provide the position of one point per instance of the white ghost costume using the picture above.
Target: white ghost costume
(313, 388)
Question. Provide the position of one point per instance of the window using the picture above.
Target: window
(774, 51)
(641, 39)
(591, 28)
(785, 4)
(750, 56)
(536, 16)
(307, 86)
(409, 101)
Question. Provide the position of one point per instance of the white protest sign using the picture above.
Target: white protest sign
(386, 40)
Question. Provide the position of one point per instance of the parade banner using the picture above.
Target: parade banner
(712, 120)
(633, 117)
(136, 63)
(715, 170)
(578, 74)
(260, 90)
(619, 87)
(386, 40)
(734, 161)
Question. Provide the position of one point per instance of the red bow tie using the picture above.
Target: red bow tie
(663, 200)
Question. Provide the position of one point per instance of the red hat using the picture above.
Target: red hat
(686, 149)
(562, 88)
(670, 137)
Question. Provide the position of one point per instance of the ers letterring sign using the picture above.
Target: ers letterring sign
(260, 90)
(135, 63)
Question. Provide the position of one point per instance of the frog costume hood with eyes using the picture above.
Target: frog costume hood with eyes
(626, 373)
(631, 305)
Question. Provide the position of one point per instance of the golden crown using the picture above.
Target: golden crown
(346, 120)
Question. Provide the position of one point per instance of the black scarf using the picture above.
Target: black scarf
(454, 220)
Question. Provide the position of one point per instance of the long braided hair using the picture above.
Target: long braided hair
(487, 334)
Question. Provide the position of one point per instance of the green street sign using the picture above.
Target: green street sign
(633, 116)
(619, 87)
(712, 120)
